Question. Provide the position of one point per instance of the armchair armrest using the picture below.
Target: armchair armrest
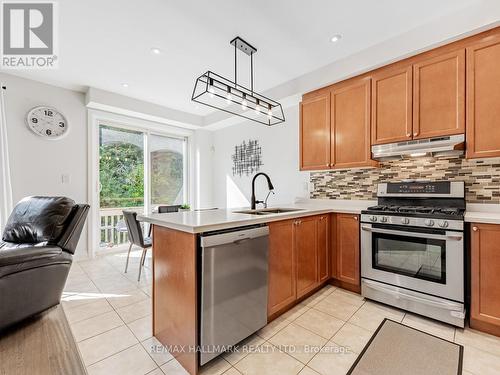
(11, 253)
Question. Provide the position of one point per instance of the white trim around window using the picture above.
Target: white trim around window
(94, 119)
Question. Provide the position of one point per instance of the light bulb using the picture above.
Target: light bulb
(269, 113)
(257, 109)
(211, 91)
(244, 104)
(229, 98)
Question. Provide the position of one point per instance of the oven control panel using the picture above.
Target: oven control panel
(413, 221)
(436, 189)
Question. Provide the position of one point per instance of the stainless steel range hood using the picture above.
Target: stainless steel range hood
(447, 145)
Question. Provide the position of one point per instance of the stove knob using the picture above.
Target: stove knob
(429, 222)
(373, 218)
(383, 219)
(405, 220)
(443, 224)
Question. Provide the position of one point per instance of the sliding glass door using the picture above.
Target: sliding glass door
(138, 171)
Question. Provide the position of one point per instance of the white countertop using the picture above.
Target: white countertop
(482, 213)
(203, 221)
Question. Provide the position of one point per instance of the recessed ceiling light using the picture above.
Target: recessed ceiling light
(155, 51)
(125, 85)
(335, 38)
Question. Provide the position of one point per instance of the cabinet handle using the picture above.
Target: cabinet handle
(415, 134)
(408, 134)
(474, 229)
(356, 218)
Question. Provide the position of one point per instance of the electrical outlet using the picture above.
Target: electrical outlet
(65, 178)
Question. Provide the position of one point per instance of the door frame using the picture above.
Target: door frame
(95, 118)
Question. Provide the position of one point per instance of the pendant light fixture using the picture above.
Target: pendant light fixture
(221, 93)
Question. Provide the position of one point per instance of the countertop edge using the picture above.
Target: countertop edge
(249, 221)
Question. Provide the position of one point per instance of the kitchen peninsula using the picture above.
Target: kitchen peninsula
(300, 262)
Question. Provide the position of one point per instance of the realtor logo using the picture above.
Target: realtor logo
(29, 35)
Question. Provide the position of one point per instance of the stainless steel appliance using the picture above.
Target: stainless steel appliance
(444, 145)
(234, 266)
(412, 249)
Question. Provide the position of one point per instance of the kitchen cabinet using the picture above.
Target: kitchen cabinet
(323, 244)
(439, 95)
(299, 253)
(485, 278)
(350, 124)
(346, 250)
(392, 105)
(315, 133)
(282, 275)
(483, 98)
(306, 254)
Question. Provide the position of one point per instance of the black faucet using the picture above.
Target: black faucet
(269, 184)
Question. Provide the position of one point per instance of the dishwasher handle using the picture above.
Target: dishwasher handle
(236, 237)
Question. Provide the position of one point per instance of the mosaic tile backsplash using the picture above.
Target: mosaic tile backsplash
(482, 177)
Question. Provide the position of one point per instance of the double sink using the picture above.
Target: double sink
(268, 211)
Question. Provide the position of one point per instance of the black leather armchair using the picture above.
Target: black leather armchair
(36, 253)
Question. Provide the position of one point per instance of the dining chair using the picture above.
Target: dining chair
(136, 238)
(167, 209)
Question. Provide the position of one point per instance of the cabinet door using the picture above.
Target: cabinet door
(392, 105)
(315, 133)
(439, 95)
(347, 248)
(307, 258)
(282, 274)
(483, 98)
(485, 278)
(350, 128)
(323, 238)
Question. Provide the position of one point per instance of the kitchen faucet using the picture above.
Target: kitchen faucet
(269, 184)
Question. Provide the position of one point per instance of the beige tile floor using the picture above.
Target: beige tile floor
(110, 316)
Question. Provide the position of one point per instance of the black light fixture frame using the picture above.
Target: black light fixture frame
(212, 81)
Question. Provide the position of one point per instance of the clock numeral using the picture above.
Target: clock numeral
(34, 120)
(48, 113)
(48, 132)
(61, 124)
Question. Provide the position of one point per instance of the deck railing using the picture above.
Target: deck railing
(113, 228)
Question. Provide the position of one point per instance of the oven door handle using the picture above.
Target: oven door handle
(447, 236)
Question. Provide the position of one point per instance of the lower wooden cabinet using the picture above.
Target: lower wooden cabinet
(299, 252)
(282, 279)
(323, 239)
(306, 250)
(346, 251)
(485, 278)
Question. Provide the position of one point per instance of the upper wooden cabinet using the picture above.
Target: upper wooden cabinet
(282, 279)
(392, 105)
(439, 95)
(483, 99)
(350, 124)
(315, 133)
(485, 278)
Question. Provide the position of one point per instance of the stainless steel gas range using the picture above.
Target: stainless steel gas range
(412, 249)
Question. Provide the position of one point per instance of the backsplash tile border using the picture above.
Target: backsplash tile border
(481, 176)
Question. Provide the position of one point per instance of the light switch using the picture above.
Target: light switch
(65, 178)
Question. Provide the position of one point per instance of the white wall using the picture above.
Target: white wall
(280, 153)
(201, 195)
(37, 164)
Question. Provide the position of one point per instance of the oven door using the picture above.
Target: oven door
(426, 260)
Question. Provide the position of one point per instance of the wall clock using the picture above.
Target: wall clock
(47, 122)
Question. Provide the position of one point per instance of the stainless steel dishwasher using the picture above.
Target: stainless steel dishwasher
(233, 287)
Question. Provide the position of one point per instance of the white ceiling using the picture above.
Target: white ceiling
(104, 43)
